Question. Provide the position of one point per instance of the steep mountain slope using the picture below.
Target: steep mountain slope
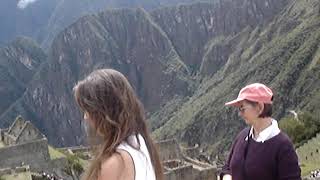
(127, 40)
(18, 62)
(283, 53)
(44, 19)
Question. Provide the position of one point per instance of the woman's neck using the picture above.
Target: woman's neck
(261, 124)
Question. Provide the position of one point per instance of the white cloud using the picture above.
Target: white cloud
(24, 3)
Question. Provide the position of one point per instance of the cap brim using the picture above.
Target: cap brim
(234, 102)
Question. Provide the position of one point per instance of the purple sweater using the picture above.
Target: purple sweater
(275, 159)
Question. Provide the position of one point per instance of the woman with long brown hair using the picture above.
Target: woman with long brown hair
(111, 108)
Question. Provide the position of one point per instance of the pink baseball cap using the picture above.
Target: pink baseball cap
(256, 92)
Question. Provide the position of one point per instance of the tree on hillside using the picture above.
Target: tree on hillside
(300, 128)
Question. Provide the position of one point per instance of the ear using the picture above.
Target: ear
(261, 107)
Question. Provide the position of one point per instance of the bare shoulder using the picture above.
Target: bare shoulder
(125, 156)
(112, 167)
(129, 170)
(118, 166)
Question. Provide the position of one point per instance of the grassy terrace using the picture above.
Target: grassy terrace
(19, 176)
(309, 155)
(55, 154)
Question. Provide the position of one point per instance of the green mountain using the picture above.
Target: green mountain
(283, 53)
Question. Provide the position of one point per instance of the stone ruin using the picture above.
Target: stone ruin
(23, 144)
(178, 166)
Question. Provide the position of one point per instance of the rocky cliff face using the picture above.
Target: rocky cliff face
(18, 62)
(127, 40)
(192, 28)
(185, 62)
(43, 20)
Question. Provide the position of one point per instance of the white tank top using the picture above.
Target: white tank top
(141, 158)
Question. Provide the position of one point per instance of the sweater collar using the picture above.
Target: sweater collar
(267, 133)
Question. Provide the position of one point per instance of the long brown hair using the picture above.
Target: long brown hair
(116, 112)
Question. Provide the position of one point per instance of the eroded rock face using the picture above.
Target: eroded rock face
(127, 40)
(19, 61)
(44, 20)
(192, 27)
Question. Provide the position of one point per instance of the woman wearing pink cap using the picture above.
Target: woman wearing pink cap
(261, 151)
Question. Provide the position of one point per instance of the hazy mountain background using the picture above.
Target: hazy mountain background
(42, 20)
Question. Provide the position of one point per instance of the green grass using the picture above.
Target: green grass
(19, 176)
(83, 162)
(307, 168)
(55, 154)
(313, 162)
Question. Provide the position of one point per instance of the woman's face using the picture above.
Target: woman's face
(88, 122)
(91, 125)
(85, 125)
(248, 112)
